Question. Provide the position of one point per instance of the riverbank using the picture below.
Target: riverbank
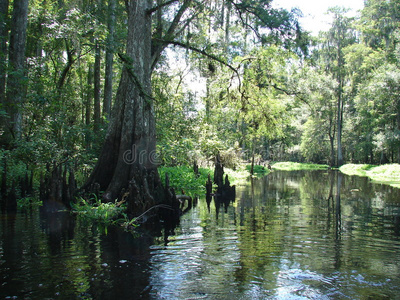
(294, 166)
(184, 176)
(385, 174)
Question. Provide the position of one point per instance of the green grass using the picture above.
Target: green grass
(238, 176)
(293, 166)
(183, 177)
(386, 174)
(259, 171)
(356, 169)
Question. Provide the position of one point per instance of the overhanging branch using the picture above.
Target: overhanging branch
(206, 54)
(155, 8)
(291, 93)
(200, 51)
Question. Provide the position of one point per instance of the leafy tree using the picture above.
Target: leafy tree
(371, 64)
(132, 127)
(332, 58)
(318, 90)
(16, 81)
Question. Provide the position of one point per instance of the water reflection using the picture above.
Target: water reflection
(310, 235)
(52, 255)
(290, 235)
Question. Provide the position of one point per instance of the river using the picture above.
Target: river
(289, 235)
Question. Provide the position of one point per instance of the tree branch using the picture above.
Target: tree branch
(200, 51)
(289, 93)
(155, 8)
(156, 51)
(213, 57)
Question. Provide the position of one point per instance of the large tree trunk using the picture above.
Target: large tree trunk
(89, 104)
(340, 101)
(339, 131)
(96, 94)
(108, 83)
(127, 166)
(398, 129)
(3, 47)
(16, 83)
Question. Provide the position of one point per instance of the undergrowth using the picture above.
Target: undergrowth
(104, 213)
(184, 178)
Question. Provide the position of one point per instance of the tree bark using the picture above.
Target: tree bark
(96, 94)
(108, 90)
(88, 104)
(16, 84)
(340, 98)
(127, 163)
(339, 126)
(3, 47)
(398, 129)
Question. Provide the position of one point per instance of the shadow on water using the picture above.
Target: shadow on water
(289, 235)
(49, 253)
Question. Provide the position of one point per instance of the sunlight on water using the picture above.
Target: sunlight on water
(285, 237)
(290, 235)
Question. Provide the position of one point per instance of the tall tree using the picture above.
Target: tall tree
(109, 60)
(127, 161)
(337, 38)
(16, 83)
(130, 141)
(96, 87)
(3, 47)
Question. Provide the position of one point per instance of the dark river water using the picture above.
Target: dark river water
(290, 235)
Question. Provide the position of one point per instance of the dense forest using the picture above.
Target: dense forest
(95, 95)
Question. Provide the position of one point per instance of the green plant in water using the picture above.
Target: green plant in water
(94, 209)
(29, 202)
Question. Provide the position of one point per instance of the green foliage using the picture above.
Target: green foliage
(356, 169)
(280, 104)
(259, 171)
(314, 143)
(386, 174)
(29, 202)
(95, 210)
(183, 177)
(239, 176)
(265, 79)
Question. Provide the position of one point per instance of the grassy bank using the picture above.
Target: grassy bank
(386, 174)
(183, 177)
(294, 166)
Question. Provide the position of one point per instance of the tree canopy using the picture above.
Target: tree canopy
(270, 90)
